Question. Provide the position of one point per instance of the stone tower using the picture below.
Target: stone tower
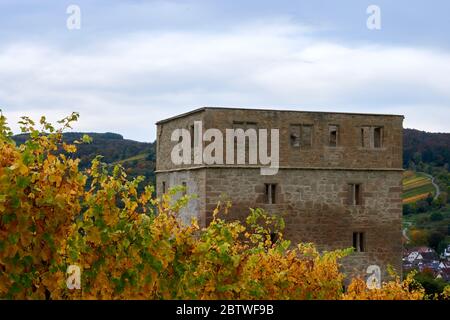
(339, 181)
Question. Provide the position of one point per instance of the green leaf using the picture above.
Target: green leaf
(27, 261)
(73, 254)
(14, 289)
(23, 182)
(13, 238)
(48, 238)
(87, 139)
(7, 218)
(154, 263)
(27, 158)
(15, 202)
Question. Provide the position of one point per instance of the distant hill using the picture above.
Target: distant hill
(430, 148)
(112, 146)
(138, 158)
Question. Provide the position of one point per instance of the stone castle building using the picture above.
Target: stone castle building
(338, 184)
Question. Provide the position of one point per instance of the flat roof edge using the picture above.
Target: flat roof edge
(182, 115)
(274, 110)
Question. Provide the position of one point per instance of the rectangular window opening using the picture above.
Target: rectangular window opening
(372, 137)
(301, 135)
(295, 136)
(333, 131)
(270, 193)
(377, 137)
(359, 241)
(191, 131)
(354, 194)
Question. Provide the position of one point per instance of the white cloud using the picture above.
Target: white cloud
(126, 84)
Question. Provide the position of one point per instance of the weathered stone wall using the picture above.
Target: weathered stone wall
(164, 145)
(312, 184)
(195, 184)
(349, 152)
(315, 208)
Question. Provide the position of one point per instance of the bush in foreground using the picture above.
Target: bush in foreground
(131, 245)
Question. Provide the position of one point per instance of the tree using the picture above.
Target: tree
(407, 209)
(442, 199)
(429, 199)
(39, 194)
(417, 158)
(436, 216)
(422, 206)
(448, 192)
(434, 239)
(442, 246)
(428, 281)
(418, 237)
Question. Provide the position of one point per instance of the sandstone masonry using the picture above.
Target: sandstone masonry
(339, 182)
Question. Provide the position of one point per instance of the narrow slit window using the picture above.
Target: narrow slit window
(359, 241)
(192, 132)
(270, 193)
(163, 187)
(184, 188)
(354, 194)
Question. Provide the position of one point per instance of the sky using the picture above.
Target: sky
(132, 63)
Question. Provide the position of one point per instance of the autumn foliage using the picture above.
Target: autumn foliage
(131, 245)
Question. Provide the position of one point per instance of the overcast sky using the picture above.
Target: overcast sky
(133, 63)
